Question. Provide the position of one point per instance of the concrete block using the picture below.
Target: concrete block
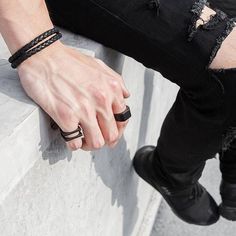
(45, 189)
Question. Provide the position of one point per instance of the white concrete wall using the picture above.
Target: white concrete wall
(45, 189)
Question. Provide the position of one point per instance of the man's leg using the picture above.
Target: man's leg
(228, 152)
(163, 35)
(228, 6)
(227, 155)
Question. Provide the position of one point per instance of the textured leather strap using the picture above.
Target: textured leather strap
(33, 51)
(32, 43)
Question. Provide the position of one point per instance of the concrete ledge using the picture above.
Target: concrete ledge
(47, 190)
(24, 131)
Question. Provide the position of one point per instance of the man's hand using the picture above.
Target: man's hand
(74, 88)
(71, 87)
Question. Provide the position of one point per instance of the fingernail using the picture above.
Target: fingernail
(127, 94)
(112, 145)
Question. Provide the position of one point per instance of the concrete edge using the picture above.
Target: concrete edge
(35, 133)
(146, 226)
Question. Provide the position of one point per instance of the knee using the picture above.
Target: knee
(226, 55)
(223, 55)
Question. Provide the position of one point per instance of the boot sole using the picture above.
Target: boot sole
(167, 200)
(227, 212)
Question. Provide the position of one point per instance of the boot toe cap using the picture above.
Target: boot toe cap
(205, 212)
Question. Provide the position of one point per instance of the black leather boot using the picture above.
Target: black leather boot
(227, 208)
(193, 204)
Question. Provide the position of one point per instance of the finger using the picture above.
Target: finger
(113, 73)
(93, 138)
(108, 126)
(67, 121)
(118, 107)
(126, 93)
(75, 143)
(121, 132)
(112, 145)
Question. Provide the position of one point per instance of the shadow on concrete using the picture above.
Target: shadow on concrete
(10, 83)
(57, 151)
(121, 178)
(115, 169)
(146, 107)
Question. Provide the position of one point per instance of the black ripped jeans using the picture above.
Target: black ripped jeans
(162, 35)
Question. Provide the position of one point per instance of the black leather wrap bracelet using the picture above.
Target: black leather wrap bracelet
(31, 48)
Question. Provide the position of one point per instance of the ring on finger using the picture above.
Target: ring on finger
(65, 134)
(123, 116)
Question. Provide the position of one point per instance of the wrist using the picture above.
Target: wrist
(19, 25)
(43, 59)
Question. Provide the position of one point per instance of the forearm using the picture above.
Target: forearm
(22, 20)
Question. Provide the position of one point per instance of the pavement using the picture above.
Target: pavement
(167, 224)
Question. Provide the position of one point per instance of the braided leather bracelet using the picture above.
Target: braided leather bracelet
(22, 54)
(33, 43)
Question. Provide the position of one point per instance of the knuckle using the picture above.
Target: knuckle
(66, 116)
(64, 113)
(100, 97)
(115, 85)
